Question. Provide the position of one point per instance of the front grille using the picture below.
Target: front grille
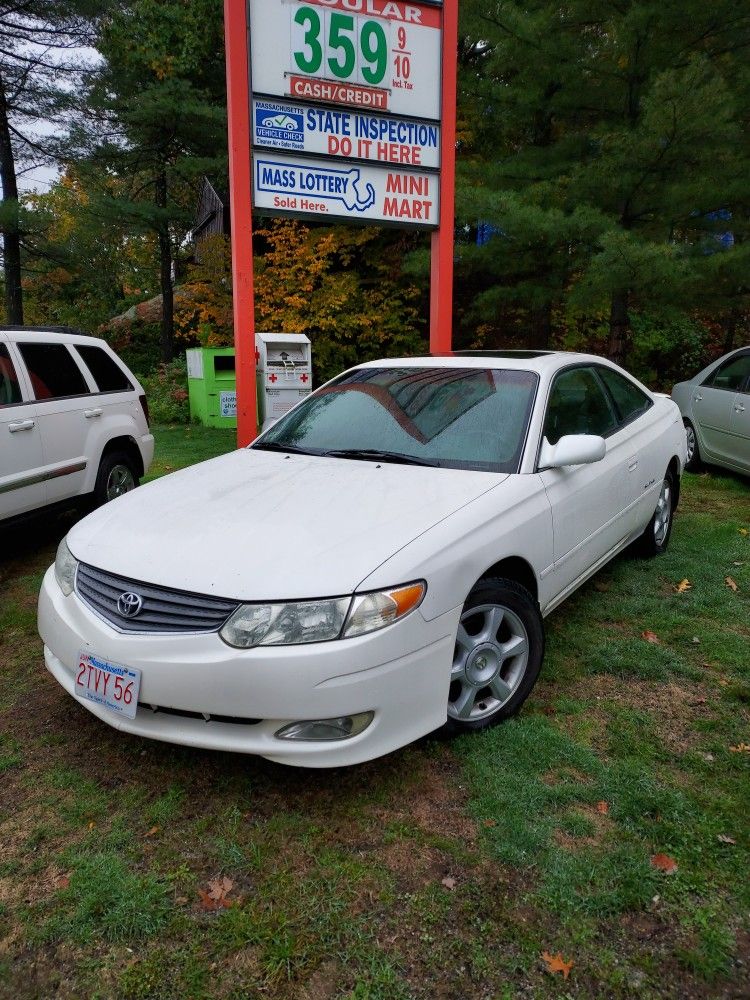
(234, 720)
(163, 609)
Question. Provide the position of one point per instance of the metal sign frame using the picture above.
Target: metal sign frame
(239, 109)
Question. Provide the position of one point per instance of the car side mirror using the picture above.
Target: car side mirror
(572, 449)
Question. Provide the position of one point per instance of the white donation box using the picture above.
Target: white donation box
(284, 373)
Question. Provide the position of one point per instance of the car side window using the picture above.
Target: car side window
(107, 374)
(731, 375)
(52, 370)
(630, 401)
(10, 389)
(578, 404)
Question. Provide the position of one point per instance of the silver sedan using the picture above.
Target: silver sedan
(715, 407)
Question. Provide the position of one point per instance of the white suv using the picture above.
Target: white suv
(73, 421)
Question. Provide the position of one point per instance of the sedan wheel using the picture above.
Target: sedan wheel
(498, 655)
(655, 538)
(693, 458)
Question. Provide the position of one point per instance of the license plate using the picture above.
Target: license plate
(109, 684)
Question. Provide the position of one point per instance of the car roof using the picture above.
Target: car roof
(542, 362)
(62, 334)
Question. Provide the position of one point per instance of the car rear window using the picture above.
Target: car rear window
(52, 370)
(10, 390)
(107, 374)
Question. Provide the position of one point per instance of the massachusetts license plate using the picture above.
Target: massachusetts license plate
(109, 684)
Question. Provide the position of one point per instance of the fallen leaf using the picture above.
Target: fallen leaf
(742, 531)
(92, 825)
(731, 584)
(738, 564)
(556, 963)
(650, 636)
(741, 748)
(64, 881)
(449, 883)
(664, 863)
(152, 831)
(682, 586)
(724, 682)
(695, 640)
(724, 839)
(216, 896)
(602, 807)
(181, 900)
(489, 822)
(709, 757)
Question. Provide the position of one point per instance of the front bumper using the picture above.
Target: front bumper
(401, 674)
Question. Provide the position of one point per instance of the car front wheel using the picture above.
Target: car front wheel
(497, 658)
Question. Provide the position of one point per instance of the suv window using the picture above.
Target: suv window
(52, 371)
(578, 405)
(629, 399)
(10, 390)
(107, 374)
(731, 374)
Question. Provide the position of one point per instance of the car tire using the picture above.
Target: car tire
(693, 462)
(655, 538)
(498, 655)
(117, 475)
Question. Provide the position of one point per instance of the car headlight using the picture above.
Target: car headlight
(65, 568)
(285, 624)
(370, 612)
(319, 621)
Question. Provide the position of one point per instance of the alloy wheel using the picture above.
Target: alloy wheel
(690, 435)
(119, 481)
(663, 513)
(489, 662)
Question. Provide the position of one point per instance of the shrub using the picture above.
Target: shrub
(166, 389)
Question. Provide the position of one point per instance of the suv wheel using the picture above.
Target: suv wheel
(498, 655)
(117, 475)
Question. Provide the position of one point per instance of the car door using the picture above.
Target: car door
(60, 390)
(22, 486)
(588, 501)
(714, 407)
(740, 425)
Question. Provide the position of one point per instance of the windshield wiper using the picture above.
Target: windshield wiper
(291, 449)
(373, 455)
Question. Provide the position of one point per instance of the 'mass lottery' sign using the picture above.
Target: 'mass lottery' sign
(340, 132)
(297, 185)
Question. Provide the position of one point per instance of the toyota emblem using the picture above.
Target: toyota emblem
(129, 605)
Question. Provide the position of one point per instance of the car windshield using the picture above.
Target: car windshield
(455, 418)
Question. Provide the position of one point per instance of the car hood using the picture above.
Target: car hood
(255, 525)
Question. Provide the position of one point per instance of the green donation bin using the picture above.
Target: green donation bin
(212, 386)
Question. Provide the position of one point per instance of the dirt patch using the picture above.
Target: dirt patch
(600, 824)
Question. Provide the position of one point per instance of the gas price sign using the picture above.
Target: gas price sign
(375, 55)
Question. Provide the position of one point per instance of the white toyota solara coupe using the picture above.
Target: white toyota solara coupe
(375, 566)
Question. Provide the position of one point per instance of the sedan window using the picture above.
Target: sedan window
(578, 405)
(10, 390)
(458, 418)
(630, 401)
(731, 374)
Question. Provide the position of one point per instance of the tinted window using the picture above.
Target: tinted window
(630, 401)
(462, 418)
(731, 374)
(578, 405)
(10, 390)
(52, 371)
(108, 375)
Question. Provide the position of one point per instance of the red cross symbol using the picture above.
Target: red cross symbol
(257, 356)
(303, 378)
(272, 378)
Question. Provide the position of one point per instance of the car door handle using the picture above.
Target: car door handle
(698, 398)
(21, 425)
(88, 414)
(632, 464)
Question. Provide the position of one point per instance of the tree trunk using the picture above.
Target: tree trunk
(165, 274)
(541, 326)
(730, 329)
(10, 231)
(619, 327)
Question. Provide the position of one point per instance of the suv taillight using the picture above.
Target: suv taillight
(144, 406)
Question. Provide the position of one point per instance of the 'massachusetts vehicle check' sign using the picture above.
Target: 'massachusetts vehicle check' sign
(299, 185)
(343, 133)
(375, 55)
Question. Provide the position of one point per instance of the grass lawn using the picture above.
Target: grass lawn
(140, 871)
